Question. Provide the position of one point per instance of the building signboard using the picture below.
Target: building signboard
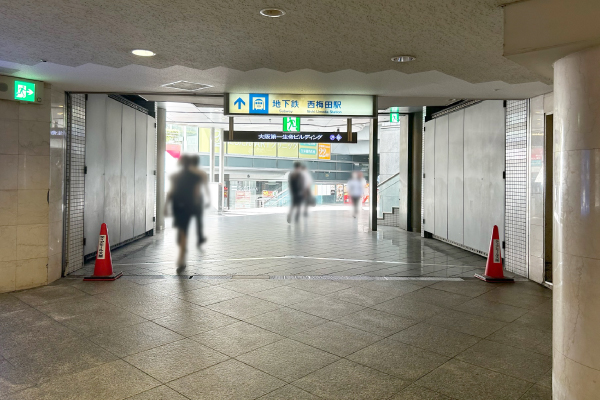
(300, 104)
(324, 151)
(285, 137)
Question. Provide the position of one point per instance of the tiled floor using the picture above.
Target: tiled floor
(155, 335)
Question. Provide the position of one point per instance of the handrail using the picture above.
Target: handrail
(388, 179)
(277, 198)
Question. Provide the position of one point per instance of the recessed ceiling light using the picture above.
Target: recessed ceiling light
(185, 85)
(143, 53)
(272, 12)
(402, 59)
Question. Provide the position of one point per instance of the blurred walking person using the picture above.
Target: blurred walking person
(297, 190)
(356, 187)
(201, 203)
(309, 199)
(184, 196)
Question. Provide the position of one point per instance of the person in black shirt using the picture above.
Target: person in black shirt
(297, 188)
(184, 197)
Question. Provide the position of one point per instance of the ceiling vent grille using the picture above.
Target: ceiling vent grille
(185, 85)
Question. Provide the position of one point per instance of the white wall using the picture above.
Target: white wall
(464, 189)
(119, 185)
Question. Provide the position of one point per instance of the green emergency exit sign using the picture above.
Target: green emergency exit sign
(394, 117)
(291, 124)
(24, 91)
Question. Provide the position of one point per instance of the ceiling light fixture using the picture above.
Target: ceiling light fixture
(272, 12)
(185, 85)
(143, 53)
(403, 59)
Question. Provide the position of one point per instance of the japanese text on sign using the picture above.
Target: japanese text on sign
(295, 104)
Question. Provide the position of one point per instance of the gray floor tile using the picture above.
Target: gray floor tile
(472, 289)
(66, 358)
(538, 392)
(514, 298)
(177, 286)
(37, 337)
(289, 392)
(159, 393)
(414, 392)
(466, 323)
(392, 287)
(21, 320)
(546, 380)
(236, 339)
(287, 359)
(463, 381)
(490, 309)
(286, 295)
(377, 322)
(411, 309)
(525, 337)
(12, 379)
(319, 286)
(209, 295)
(363, 296)
(436, 297)
(174, 360)
(194, 320)
(398, 359)
(49, 294)
(90, 316)
(9, 303)
(346, 380)
(244, 307)
(519, 363)
(326, 307)
(136, 338)
(336, 338)
(286, 321)
(112, 381)
(537, 319)
(249, 286)
(436, 339)
(228, 380)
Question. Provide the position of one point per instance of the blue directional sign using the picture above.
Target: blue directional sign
(259, 103)
(239, 103)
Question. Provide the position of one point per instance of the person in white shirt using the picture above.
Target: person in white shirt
(356, 186)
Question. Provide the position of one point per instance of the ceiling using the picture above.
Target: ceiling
(318, 47)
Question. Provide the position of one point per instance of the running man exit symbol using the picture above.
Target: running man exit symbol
(24, 91)
(394, 117)
(239, 102)
(291, 124)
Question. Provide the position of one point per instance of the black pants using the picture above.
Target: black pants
(200, 221)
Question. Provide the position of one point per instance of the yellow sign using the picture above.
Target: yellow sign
(307, 150)
(289, 150)
(204, 136)
(265, 149)
(324, 151)
(342, 105)
(241, 148)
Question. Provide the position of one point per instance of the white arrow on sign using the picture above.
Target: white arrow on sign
(29, 91)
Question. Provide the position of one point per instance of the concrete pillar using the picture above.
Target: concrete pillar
(212, 156)
(576, 250)
(373, 172)
(161, 148)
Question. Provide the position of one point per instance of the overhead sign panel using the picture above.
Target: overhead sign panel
(290, 137)
(299, 104)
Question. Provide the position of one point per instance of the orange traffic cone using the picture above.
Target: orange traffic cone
(493, 267)
(103, 270)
